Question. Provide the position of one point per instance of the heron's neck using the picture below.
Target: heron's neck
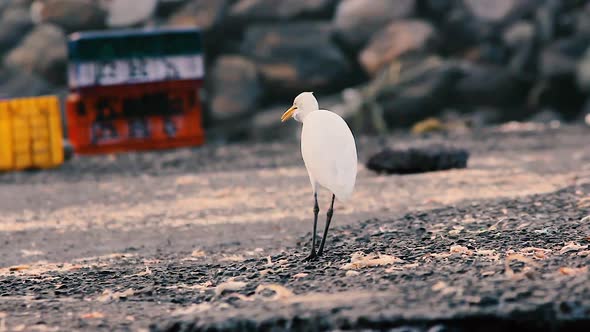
(303, 115)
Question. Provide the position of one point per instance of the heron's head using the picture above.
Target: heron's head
(303, 104)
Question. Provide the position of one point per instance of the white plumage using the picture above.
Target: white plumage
(329, 154)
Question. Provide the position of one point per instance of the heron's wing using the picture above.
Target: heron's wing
(329, 152)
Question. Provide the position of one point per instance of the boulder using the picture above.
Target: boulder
(204, 14)
(43, 52)
(271, 10)
(461, 30)
(296, 57)
(583, 72)
(420, 89)
(584, 115)
(16, 82)
(235, 88)
(357, 20)
(14, 25)
(435, 9)
(582, 20)
(396, 39)
(546, 116)
(167, 7)
(70, 15)
(489, 85)
(521, 32)
(499, 10)
(126, 13)
(560, 58)
(492, 11)
(476, 21)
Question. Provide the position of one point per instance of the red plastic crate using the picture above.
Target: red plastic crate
(109, 119)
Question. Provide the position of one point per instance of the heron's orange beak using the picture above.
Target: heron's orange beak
(288, 114)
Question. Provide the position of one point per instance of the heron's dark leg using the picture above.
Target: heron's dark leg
(316, 210)
(328, 220)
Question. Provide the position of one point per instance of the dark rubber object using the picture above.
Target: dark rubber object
(418, 160)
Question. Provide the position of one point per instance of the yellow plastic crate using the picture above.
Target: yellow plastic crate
(30, 133)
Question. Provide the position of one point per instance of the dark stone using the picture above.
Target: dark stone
(560, 58)
(398, 38)
(357, 20)
(487, 85)
(123, 14)
(499, 10)
(43, 52)
(422, 90)
(521, 32)
(418, 160)
(249, 11)
(546, 116)
(17, 83)
(71, 15)
(582, 20)
(203, 14)
(584, 115)
(583, 72)
(235, 87)
(297, 57)
(476, 21)
(14, 24)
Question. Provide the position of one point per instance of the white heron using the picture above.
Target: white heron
(329, 154)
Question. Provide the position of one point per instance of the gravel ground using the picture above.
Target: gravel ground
(182, 240)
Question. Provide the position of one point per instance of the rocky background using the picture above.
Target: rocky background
(383, 64)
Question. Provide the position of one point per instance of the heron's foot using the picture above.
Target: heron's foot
(312, 257)
(320, 252)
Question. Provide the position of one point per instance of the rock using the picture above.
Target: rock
(43, 52)
(14, 24)
(126, 13)
(498, 10)
(166, 7)
(582, 20)
(297, 57)
(478, 21)
(519, 33)
(435, 9)
(519, 39)
(235, 87)
(422, 89)
(583, 72)
(584, 116)
(17, 83)
(270, 10)
(398, 38)
(487, 52)
(204, 14)
(461, 30)
(357, 20)
(71, 15)
(560, 58)
(489, 85)
(546, 116)
(418, 160)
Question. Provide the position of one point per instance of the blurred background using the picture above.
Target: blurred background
(382, 64)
